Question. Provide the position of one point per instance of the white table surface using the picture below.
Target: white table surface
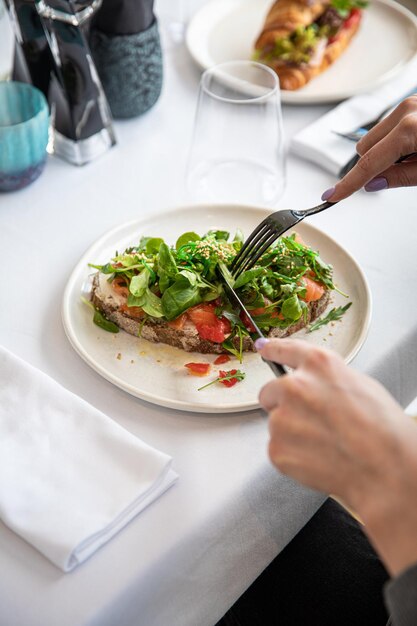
(188, 557)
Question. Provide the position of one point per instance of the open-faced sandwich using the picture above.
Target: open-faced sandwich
(301, 38)
(173, 295)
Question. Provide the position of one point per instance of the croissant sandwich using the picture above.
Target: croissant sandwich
(302, 38)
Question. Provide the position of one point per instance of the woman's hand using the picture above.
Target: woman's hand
(394, 137)
(339, 431)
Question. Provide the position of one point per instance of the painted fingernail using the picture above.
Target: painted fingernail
(260, 343)
(328, 193)
(377, 184)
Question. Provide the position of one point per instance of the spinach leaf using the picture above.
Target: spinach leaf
(291, 308)
(186, 238)
(99, 318)
(150, 245)
(139, 283)
(167, 268)
(152, 305)
(153, 244)
(104, 323)
(179, 297)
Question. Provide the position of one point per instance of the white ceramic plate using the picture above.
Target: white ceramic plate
(225, 30)
(155, 372)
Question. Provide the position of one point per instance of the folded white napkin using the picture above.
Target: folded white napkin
(319, 144)
(70, 477)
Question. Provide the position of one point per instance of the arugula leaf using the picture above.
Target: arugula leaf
(219, 235)
(104, 269)
(248, 276)
(332, 316)
(186, 238)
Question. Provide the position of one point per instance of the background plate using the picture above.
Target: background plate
(225, 30)
(155, 372)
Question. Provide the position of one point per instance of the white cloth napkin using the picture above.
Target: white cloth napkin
(319, 144)
(70, 477)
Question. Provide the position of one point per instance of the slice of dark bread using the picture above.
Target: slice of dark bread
(187, 338)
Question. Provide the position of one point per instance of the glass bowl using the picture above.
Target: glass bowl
(24, 124)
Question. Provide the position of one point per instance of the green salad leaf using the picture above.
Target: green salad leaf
(165, 281)
(186, 238)
(332, 316)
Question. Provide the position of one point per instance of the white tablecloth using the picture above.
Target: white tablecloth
(187, 558)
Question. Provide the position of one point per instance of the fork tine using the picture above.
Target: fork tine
(248, 242)
(257, 241)
(257, 252)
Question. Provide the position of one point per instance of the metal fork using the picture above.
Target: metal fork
(267, 232)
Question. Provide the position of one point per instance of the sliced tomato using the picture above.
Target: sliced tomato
(209, 326)
(179, 322)
(198, 369)
(353, 19)
(223, 358)
(217, 332)
(119, 285)
(231, 381)
(314, 290)
(133, 311)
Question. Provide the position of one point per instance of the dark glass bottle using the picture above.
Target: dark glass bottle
(53, 53)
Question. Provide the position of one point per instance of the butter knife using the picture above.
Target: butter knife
(234, 299)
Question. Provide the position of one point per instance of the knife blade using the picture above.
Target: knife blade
(277, 368)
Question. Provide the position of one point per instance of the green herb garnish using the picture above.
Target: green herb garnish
(333, 316)
(228, 379)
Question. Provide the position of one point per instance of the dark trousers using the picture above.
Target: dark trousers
(329, 575)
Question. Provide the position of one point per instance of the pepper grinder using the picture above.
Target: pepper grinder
(53, 54)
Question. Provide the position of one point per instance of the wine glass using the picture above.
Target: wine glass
(237, 150)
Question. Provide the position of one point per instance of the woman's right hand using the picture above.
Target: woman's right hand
(393, 138)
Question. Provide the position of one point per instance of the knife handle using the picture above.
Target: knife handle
(356, 158)
(278, 369)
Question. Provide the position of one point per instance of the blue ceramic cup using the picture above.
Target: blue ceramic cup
(24, 122)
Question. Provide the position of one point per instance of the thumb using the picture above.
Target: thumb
(401, 175)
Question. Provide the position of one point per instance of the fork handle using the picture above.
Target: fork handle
(316, 209)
